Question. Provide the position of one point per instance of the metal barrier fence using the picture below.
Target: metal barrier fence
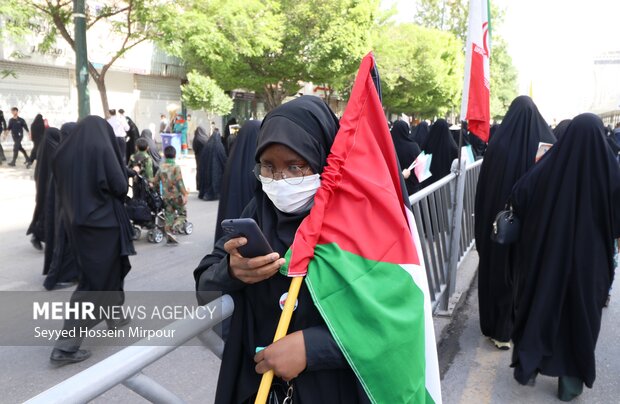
(444, 215)
(125, 367)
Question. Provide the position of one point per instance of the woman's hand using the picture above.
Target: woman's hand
(251, 270)
(406, 173)
(286, 357)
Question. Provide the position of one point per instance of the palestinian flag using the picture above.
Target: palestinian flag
(360, 253)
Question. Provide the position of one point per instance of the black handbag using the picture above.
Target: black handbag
(506, 227)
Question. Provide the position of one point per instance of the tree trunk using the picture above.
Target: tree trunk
(100, 81)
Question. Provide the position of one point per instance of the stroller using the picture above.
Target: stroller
(146, 211)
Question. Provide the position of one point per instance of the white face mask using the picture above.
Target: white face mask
(292, 198)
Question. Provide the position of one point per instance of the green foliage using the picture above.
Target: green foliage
(202, 92)
(503, 80)
(270, 46)
(421, 69)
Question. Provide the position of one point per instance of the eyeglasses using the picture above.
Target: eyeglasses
(293, 175)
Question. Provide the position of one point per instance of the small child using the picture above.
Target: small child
(174, 193)
(141, 161)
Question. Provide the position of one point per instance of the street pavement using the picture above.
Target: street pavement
(189, 371)
(477, 372)
(473, 371)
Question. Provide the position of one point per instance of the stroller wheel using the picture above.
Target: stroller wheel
(137, 232)
(158, 236)
(188, 228)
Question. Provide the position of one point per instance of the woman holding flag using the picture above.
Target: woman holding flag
(293, 144)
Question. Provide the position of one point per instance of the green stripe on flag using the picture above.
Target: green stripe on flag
(375, 312)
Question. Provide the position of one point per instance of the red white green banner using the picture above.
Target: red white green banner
(361, 255)
(475, 107)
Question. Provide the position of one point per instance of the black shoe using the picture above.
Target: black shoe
(29, 164)
(60, 357)
(12, 164)
(36, 243)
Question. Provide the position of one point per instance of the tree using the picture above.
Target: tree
(421, 69)
(451, 15)
(130, 21)
(202, 92)
(504, 87)
(290, 42)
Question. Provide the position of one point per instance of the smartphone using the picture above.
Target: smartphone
(257, 244)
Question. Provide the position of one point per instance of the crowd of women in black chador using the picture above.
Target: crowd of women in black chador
(294, 140)
(546, 291)
(90, 187)
(210, 155)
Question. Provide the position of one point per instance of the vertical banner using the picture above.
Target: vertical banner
(475, 108)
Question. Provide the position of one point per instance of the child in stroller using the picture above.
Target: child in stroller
(146, 210)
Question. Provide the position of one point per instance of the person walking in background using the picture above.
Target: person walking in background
(441, 145)
(163, 124)
(59, 267)
(174, 194)
(120, 128)
(3, 129)
(191, 130)
(131, 135)
(153, 148)
(212, 164)
(17, 126)
(180, 126)
(510, 154)
(563, 261)
(37, 129)
(198, 145)
(226, 135)
(92, 186)
(239, 181)
(407, 151)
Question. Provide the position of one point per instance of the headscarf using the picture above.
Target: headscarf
(441, 145)
(66, 130)
(420, 134)
(212, 163)
(307, 126)
(153, 149)
(510, 153)
(200, 140)
(42, 174)
(407, 151)
(92, 180)
(37, 128)
(238, 183)
(133, 134)
(568, 207)
(560, 129)
(226, 137)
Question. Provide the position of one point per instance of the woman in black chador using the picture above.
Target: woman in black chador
(407, 151)
(441, 145)
(92, 185)
(198, 145)
(212, 163)
(59, 265)
(294, 141)
(37, 130)
(153, 149)
(563, 263)
(510, 154)
(420, 134)
(239, 182)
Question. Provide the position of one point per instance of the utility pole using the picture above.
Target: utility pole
(81, 58)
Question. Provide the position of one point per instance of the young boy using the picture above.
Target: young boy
(141, 161)
(174, 193)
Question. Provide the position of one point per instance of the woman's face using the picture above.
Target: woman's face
(278, 160)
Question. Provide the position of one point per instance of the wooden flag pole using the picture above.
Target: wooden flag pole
(285, 320)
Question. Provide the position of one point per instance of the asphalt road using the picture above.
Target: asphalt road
(190, 371)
